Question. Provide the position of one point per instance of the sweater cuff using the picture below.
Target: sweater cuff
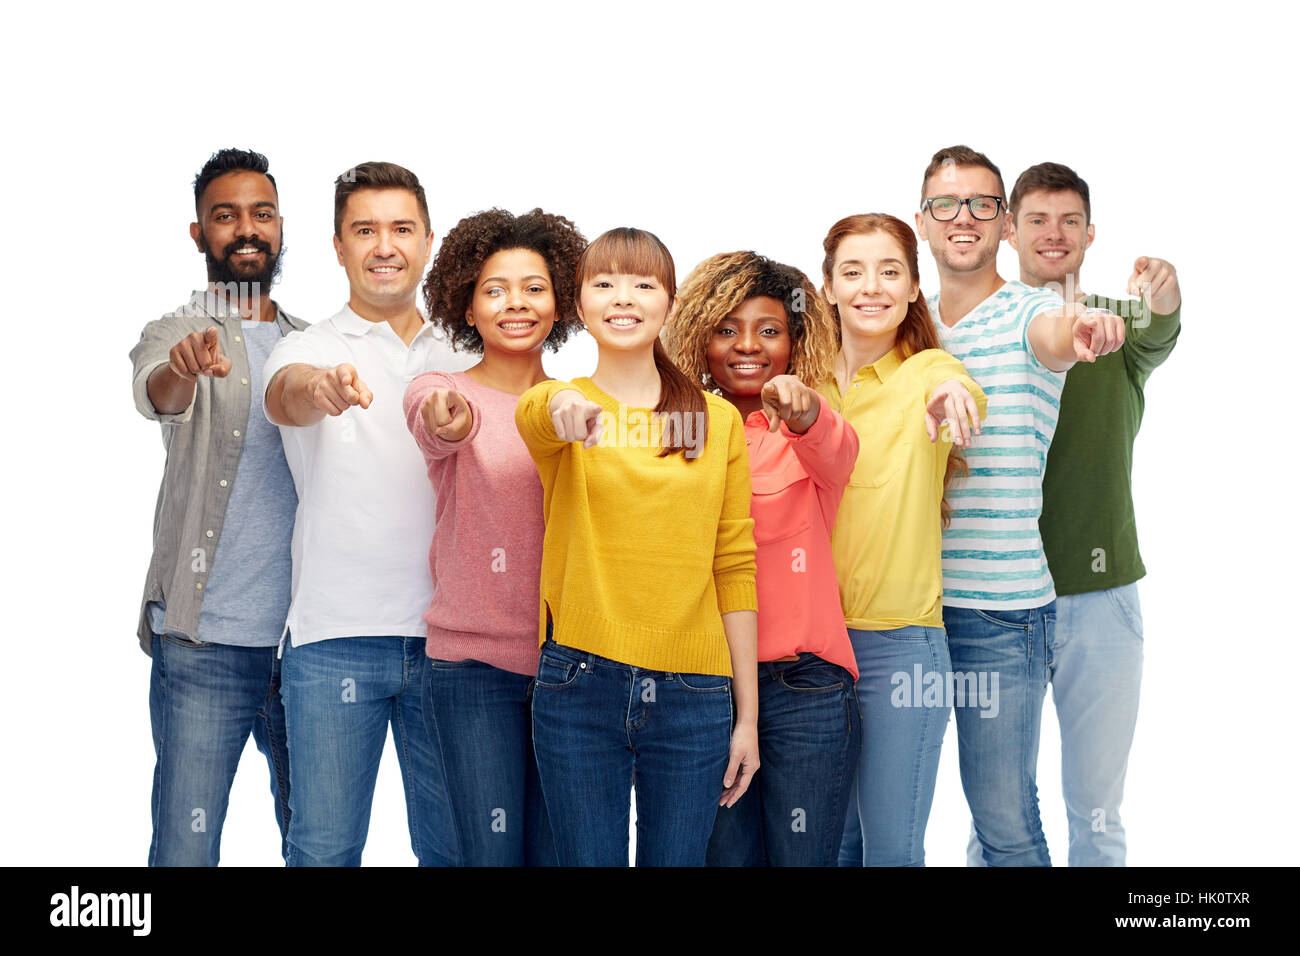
(738, 595)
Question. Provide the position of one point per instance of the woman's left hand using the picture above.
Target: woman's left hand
(744, 761)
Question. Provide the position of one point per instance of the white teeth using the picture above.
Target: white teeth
(746, 366)
(623, 321)
(244, 252)
(384, 269)
(1053, 254)
(872, 308)
(515, 326)
(963, 238)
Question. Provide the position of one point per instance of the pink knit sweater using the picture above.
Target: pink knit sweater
(486, 555)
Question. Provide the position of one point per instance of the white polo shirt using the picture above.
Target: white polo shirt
(365, 509)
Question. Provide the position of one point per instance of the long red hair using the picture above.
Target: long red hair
(916, 332)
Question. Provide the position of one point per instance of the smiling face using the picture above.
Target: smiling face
(383, 247)
(748, 347)
(622, 311)
(513, 306)
(870, 286)
(1051, 234)
(964, 244)
(240, 229)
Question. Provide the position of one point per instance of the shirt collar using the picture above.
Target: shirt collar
(349, 323)
(209, 304)
(884, 366)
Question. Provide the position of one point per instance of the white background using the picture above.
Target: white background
(718, 126)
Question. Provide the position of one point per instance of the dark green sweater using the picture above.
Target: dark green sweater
(1088, 527)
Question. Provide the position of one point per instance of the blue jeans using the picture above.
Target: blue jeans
(203, 701)
(599, 727)
(904, 720)
(480, 717)
(997, 740)
(340, 696)
(808, 739)
(1095, 661)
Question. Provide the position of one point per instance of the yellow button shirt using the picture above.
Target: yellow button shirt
(888, 534)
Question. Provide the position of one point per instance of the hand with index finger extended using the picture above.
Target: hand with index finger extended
(447, 414)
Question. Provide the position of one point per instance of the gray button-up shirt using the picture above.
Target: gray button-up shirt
(203, 444)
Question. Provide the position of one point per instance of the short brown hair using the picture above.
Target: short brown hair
(960, 156)
(377, 176)
(1052, 178)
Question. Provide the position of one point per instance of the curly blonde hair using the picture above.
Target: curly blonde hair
(717, 287)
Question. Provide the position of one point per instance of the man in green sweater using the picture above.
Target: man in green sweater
(1095, 659)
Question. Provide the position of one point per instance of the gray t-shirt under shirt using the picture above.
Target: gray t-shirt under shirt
(247, 597)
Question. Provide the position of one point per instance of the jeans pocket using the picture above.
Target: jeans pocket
(185, 642)
(817, 678)
(556, 673)
(1124, 601)
(704, 683)
(1013, 625)
(912, 634)
(448, 665)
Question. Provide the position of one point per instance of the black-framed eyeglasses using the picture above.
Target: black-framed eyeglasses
(946, 208)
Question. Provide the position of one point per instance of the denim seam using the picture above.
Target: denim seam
(408, 772)
(281, 771)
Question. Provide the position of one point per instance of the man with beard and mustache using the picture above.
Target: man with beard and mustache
(999, 604)
(218, 587)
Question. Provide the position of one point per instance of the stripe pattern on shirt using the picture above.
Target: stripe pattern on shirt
(992, 553)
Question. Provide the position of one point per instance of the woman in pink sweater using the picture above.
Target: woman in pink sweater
(756, 332)
(502, 286)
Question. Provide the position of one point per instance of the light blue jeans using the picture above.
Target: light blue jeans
(902, 733)
(1095, 667)
(340, 696)
(1005, 652)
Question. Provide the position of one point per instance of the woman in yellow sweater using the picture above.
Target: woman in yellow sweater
(648, 600)
(910, 403)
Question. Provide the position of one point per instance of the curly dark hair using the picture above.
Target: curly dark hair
(449, 287)
(720, 284)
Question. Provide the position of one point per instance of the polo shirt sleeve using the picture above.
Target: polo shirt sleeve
(292, 349)
(153, 350)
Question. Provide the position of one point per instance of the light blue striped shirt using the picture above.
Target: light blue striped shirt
(992, 554)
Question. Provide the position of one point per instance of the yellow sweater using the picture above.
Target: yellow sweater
(643, 555)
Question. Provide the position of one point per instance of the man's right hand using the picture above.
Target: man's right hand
(199, 353)
(335, 390)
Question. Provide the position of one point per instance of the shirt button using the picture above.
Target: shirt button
(236, 433)
(209, 532)
(243, 381)
(237, 338)
(223, 482)
(198, 585)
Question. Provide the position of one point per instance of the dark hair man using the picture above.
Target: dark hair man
(217, 590)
